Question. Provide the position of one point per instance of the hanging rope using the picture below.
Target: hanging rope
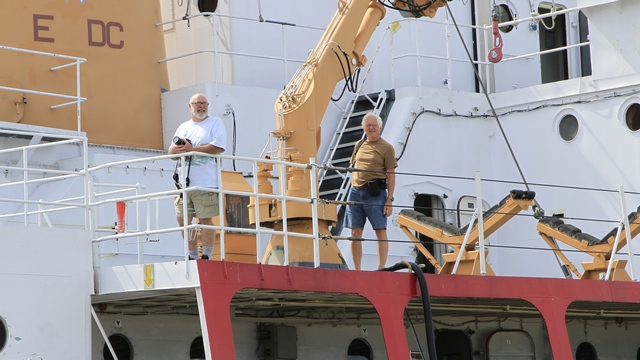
(553, 17)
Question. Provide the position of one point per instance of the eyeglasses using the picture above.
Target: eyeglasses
(199, 103)
(371, 125)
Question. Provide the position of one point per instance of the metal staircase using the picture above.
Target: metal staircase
(335, 183)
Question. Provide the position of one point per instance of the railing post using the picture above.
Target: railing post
(25, 191)
(418, 67)
(257, 210)
(447, 41)
(613, 250)
(314, 211)
(88, 191)
(477, 215)
(216, 58)
(78, 106)
(483, 265)
(284, 55)
(221, 212)
(92, 219)
(283, 201)
(627, 230)
(140, 240)
(185, 217)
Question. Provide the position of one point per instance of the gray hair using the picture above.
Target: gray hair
(371, 115)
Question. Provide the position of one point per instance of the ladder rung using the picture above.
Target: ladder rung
(351, 129)
(331, 177)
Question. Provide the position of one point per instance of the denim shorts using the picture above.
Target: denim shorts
(372, 209)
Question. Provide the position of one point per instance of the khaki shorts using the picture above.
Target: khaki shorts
(201, 204)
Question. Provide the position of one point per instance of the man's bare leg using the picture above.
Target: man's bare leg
(192, 243)
(356, 248)
(208, 236)
(383, 247)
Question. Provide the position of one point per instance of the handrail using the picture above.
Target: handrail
(212, 19)
(76, 61)
(146, 235)
(484, 31)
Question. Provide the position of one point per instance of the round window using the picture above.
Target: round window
(196, 351)
(3, 334)
(568, 127)
(504, 15)
(632, 117)
(121, 345)
(359, 349)
(586, 351)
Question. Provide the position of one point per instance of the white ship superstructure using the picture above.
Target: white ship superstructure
(520, 114)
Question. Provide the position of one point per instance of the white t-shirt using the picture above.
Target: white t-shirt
(203, 170)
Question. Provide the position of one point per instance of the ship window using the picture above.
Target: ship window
(586, 351)
(504, 15)
(197, 349)
(121, 345)
(633, 117)
(359, 349)
(552, 34)
(568, 127)
(453, 344)
(3, 334)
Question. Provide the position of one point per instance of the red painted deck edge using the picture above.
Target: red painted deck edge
(390, 292)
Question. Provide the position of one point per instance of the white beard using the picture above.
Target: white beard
(199, 115)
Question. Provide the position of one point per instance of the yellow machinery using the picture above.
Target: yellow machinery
(299, 111)
(110, 35)
(602, 250)
(454, 237)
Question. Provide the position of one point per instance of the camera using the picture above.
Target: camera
(180, 141)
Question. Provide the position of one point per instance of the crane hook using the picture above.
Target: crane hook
(495, 54)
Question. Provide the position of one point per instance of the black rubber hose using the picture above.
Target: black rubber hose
(426, 303)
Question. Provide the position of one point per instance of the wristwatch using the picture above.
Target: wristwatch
(391, 198)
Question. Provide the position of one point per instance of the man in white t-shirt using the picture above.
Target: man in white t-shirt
(207, 134)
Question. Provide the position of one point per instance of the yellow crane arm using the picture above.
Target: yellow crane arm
(303, 103)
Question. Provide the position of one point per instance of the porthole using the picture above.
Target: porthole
(3, 334)
(632, 117)
(568, 127)
(359, 349)
(121, 345)
(504, 15)
(197, 349)
(586, 351)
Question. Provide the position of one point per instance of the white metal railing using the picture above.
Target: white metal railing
(76, 99)
(448, 42)
(212, 19)
(485, 38)
(29, 177)
(153, 222)
(142, 235)
(90, 209)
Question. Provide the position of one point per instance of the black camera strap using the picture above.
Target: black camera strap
(355, 151)
(176, 178)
